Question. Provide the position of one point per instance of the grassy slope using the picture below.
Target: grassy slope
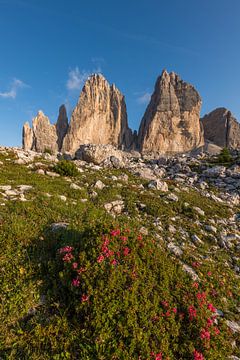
(27, 243)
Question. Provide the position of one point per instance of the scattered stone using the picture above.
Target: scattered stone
(75, 187)
(99, 185)
(59, 226)
(174, 249)
(159, 185)
(62, 197)
(172, 197)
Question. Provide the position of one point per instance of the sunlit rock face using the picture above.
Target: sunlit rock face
(171, 123)
(44, 136)
(100, 117)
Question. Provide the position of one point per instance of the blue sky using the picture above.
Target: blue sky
(47, 48)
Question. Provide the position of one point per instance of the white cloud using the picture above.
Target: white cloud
(144, 98)
(12, 93)
(77, 78)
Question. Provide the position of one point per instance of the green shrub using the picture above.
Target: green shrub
(66, 168)
(224, 156)
(48, 151)
(129, 300)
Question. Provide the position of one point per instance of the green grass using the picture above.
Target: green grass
(30, 330)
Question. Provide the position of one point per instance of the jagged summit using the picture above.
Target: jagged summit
(100, 117)
(171, 122)
(43, 135)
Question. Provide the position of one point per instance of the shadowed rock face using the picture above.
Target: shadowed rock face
(100, 117)
(44, 136)
(61, 126)
(221, 128)
(171, 122)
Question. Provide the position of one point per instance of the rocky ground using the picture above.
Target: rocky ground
(190, 205)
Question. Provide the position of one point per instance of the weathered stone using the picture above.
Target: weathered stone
(97, 154)
(221, 128)
(27, 137)
(171, 122)
(100, 117)
(43, 136)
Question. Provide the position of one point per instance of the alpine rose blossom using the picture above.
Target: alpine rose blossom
(75, 282)
(100, 259)
(197, 355)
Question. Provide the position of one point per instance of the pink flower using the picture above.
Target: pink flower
(68, 257)
(195, 285)
(110, 253)
(100, 259)
(192, 312)
(205, 334)
(124, 239)
(165, 304)
(156, 356)
(174, 310)
(114, 262)
(216, 330)
(195, 264)
(211, 308)
(126, 251)
(115, 232)
(75, 282)
(168, 313)
(209, 273)
(74, 265)
(84, 298)
(197, 355)
(65, 249)
(209, 321)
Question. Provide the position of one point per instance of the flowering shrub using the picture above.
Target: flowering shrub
(131, 301)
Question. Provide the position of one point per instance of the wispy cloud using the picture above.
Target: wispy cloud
(144, 98)
(77, 78)
(15, 86)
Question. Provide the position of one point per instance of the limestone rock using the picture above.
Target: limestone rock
(98, 153)
(171, 122)
(100, 117)
(27, 136)
(43, 135)
(221, 128)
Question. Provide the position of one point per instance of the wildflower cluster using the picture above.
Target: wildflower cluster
(133, 302)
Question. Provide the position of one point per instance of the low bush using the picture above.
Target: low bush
(66, 168)
(224, 156)
(129, 300)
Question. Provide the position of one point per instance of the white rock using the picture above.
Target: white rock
(75, 187)
(99, 185)
(174, 249)
(5, 187)
(62, 197)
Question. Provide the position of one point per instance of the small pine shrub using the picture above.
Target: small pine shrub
(129, 300)
(48, 151)
(66, 168)
(224, 156)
